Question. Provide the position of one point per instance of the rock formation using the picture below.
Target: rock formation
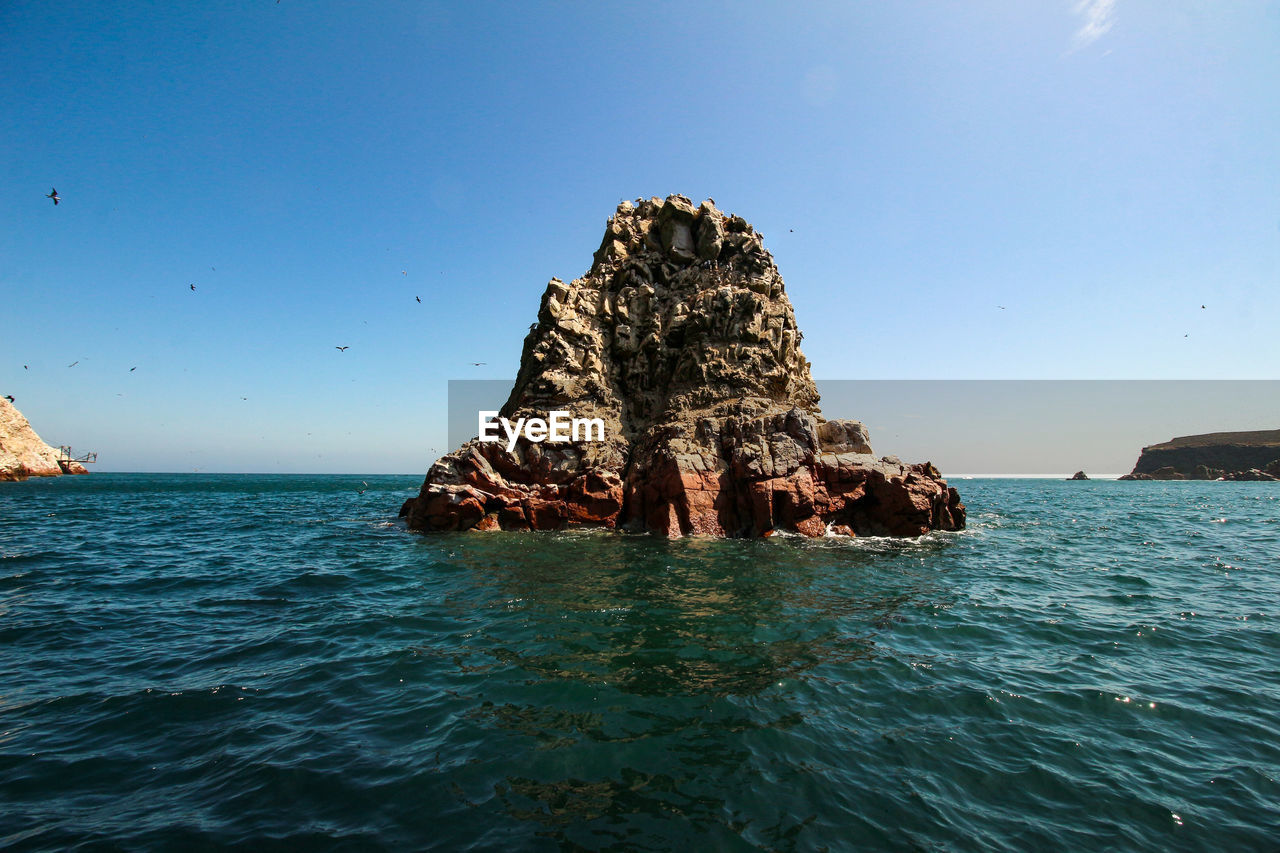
(1252, 475)
(1213, 456)
(1079, 475)
(682, 341)
(22, 453)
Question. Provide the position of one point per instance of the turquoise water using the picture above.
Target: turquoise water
(271, 662)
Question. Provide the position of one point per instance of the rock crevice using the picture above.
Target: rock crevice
(682, 340)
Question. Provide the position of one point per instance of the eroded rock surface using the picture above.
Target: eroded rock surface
(682, 340)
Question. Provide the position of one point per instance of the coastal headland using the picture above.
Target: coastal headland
(681, 340)
(1212, 456)
(24, 454)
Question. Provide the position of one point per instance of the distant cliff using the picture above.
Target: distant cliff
(22, 453)
(1209, 456)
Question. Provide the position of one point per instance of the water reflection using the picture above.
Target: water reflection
(635, 675)
(691, 617)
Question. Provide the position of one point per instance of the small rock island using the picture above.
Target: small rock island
(23, 454)
(1212, 456)
(682, 341)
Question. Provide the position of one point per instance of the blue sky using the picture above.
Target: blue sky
(1099, 169)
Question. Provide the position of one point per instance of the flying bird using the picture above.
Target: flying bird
(478, 364)
(193, 287)
(404, 272)
(74, 363)
(131, 369)
(24, 367)
(1201, 306)
(419, 298)
(342, 349)
(53, 194)
(1001, 307)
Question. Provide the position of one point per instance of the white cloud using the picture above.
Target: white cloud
(1098, 16)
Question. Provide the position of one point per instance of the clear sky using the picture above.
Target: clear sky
(1099, 169)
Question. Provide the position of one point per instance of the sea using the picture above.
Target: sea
(271, 662)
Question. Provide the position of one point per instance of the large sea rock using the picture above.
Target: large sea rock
(24, 454)
(682, 340)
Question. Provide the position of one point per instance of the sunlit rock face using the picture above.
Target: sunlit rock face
(24, 454)
(682, 341)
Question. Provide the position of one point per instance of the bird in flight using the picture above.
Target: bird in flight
(74, 363)
(1201, 306)
(419, 298)
(404, 272)
(193, 287)
(24, 367)
(477, 364)
(342, 349)
(53, 194)
(131, 369)
(1001, 307)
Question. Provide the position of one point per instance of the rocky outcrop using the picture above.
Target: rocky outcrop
(22, 453)
(1252, 475)
(681, 340)
(1212, 456)
(1079, 475)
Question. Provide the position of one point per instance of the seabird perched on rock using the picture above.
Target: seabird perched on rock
(53, 194)
(9, 397)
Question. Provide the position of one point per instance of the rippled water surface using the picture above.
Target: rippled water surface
(269, 662)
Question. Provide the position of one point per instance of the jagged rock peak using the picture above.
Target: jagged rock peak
(681, 340)
(683, 309)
